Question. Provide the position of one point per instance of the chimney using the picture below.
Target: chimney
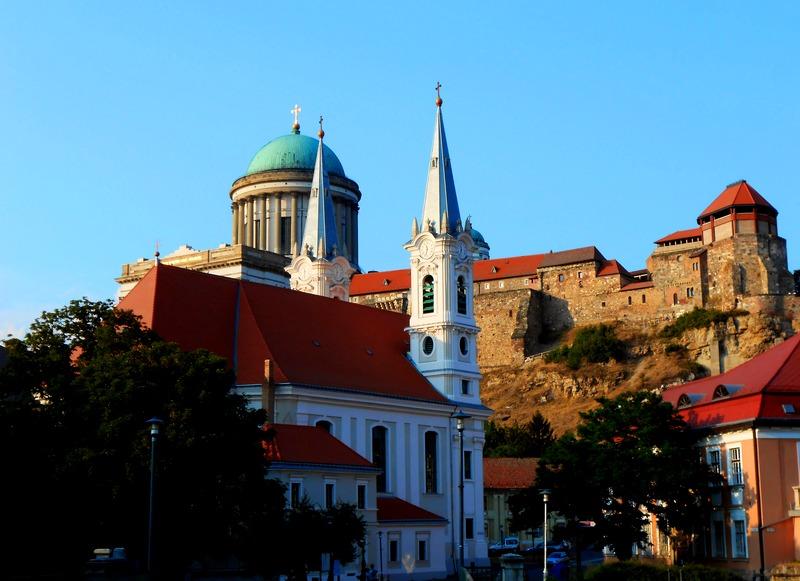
(268, 392)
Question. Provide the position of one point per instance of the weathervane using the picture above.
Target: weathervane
(296, 112)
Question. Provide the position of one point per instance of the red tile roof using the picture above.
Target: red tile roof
(380, 282)
(757, 389)
(393, 509)
(308, 445)
(681, 235)
(737, 194)
(400, 280)
(611, 267)
(310, 340)
(639, 284)
(573, 256)
(509, 473)
(513, 267)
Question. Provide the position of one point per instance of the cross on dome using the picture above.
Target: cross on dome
(296, 112)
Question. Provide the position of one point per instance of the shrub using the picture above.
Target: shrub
(640, 571)
(674, 348)
(595, 344)
(699, 318)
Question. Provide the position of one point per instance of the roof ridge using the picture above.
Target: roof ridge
(785, 361)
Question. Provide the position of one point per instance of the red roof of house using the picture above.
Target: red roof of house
(509, 473)
(393, 509)
(310, 340)
(757, 389)
(380, 282)
(737, 194)
(573, 256)
(681, 235)
(308, 445)
(610, 267)
(400, 280)
(637, 285)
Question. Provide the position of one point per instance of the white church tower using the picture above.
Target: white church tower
(442, 327)
(321, 268)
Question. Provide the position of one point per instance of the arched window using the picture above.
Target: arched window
(427, 294)
(674, 298)
(462, 296)
(431, 462)
(379, 440)
(325, 425)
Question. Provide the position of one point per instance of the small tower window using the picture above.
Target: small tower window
(674, 298)
(427, 345)
(465, 387)
(630, 299)
(427, 294)
(463, 345)
(644, 299)
(325, 425)
(462, 296)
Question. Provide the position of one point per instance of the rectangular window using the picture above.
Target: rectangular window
(735, 466)
(501, 284)
(431, 462)
(713, 459)
(423, 544)
(580, 274)
(718, 539)
(286, 235)
(689, 292)
(644, 298)
(560, 278)
(739, 539)
(465, 387)
(695, 266)
(394, 548)
(469, 528)
(467, 465)
(361, 501)
(295, 493)
(330, 494)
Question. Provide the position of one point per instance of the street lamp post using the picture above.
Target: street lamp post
(545, 497)
(155, 424)
(460, 416)
(380, 552)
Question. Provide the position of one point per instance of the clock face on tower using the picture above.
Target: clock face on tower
(426, 249)
(461, 251)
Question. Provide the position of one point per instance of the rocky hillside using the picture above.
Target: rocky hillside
(653, 361)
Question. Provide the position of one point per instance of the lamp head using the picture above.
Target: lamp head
(545, 492)
(155, 424)
(459, 417)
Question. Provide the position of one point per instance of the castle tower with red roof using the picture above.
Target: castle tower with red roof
(442, 327)
(321, 267)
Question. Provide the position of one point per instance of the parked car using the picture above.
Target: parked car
(557, 557)
(551, 546)
(509, 545)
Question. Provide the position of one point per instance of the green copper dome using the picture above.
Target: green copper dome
(293, 151)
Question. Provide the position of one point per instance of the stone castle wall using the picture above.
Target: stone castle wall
(510, 325)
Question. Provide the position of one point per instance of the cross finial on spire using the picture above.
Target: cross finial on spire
(296, 112)
(157, 254)
(321, 133)
(438, 95)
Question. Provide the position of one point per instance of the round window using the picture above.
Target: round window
(427, 345)
(463, 345)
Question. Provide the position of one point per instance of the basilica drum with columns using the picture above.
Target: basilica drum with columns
(270, 202)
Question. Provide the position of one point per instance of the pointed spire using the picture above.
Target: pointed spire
(440, 191)
(320, 230)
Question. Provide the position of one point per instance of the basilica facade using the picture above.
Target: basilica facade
(399, 394)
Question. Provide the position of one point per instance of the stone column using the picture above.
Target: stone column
(337, 218)
(350, 215)
(249, 226)
(294, 243)
(240, 237)
(235, 223)
(262, 202)
(276, 224)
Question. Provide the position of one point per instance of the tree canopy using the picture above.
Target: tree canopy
(76, 393)
(632, 456)
(518, 441)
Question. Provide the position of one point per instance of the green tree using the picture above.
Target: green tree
(75, 394)
(519, 441)
(632, 454)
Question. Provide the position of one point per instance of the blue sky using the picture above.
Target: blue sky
(569, 124)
